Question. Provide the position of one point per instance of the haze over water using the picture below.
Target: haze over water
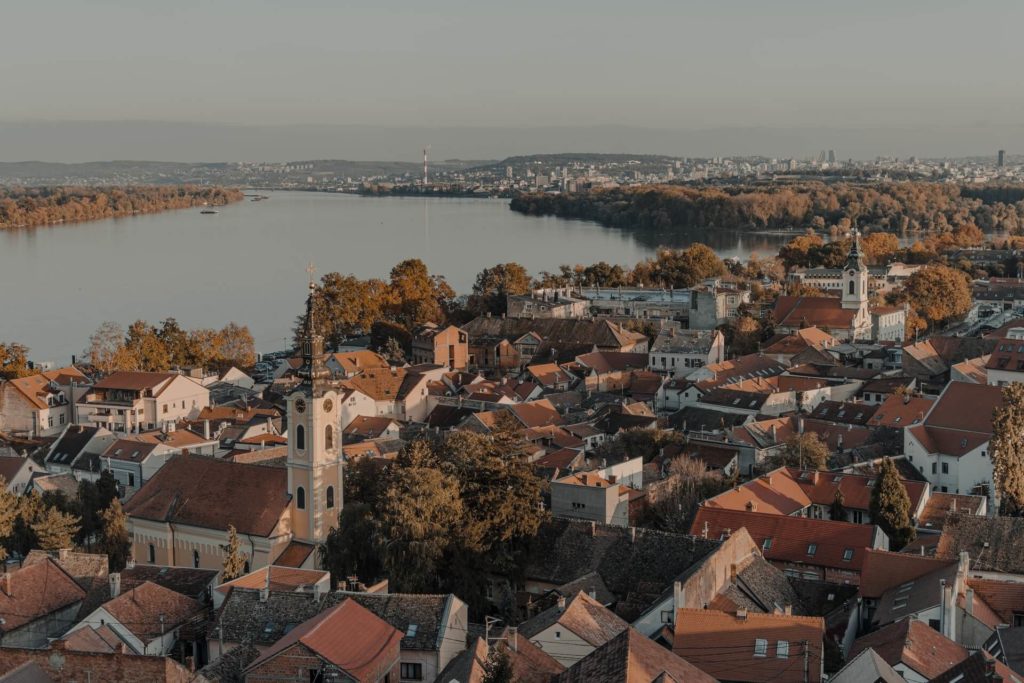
(247, 263)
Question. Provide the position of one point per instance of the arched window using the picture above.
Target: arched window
(330, 497)
(152, 553)
(851, 286)
(300, 498)
(329, 437)
(195, 559)
(300, 437)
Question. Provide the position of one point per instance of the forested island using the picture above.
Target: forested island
(32, 206)
(902, 207)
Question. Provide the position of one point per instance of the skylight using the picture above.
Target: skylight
(812, 549)
(410, 632)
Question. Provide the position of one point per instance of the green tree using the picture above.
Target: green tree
(1007, 448)
(890, 506)
(498, 668)
(55, 529)
(806, 451)
(419, 516)
(351, 548)
(114, 540)
(494, 285)
(176, 341)
(235, 559)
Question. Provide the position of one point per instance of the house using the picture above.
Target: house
(593, 496)
(346, 639)
(630, 656)
(41, 404)
(136, 401)
(529, 663)
(278, 579)
(398, 393)
(609, 371)
(572, 628)
(365, 427)
(602, 335)
(762, 648)
(351, 363)
(814, 549)
(1006, 363)
(433, 627)
(980, 666)
(951, 447)
(60, 663)
(77, 451)
(134, 461)
(147, 618)
(866, 666)
(900, 411)
(810, 493)
(37, 602)
(993, 543)
(675, 352)
(784, 348)
(547, 303)
(550, 376)
(878, 390)
(188, 581)
(448, 346)
(914, 650)
(16, 472)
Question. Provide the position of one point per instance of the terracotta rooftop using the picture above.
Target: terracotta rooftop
(914, 644)
(901, 411)
(727, 646)
(941, 504)
(36, 388)
(883, 570)
(148, 610)
(280, 579)
(801, 311)
(134, 381)
(582, 615)
(213, 494)
(35, 591)
(632, 657)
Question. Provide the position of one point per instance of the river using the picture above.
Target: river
(248, 262)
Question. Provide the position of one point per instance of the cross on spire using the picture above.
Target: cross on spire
(311, 269)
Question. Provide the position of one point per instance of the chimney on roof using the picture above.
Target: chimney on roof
(130, 563)
(732, 573)
(775, 433)
(115, 584)
(5, 583)
(751, 506)
(704, 531)
(264, 594)
(593, 528)
(206, 429)
(969, 601)
(632, 534)
(561, 603)
(741, 614)
(63, 554)
(318, 591)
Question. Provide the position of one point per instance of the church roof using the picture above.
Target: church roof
(817, 311)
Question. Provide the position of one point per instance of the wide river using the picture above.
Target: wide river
(248, 262)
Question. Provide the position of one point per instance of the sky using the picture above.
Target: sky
(684, 65)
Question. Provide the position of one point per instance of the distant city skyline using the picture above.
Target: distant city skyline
(777, 77)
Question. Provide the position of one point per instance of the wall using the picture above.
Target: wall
(74, 667)
(562, 644)
(594, 503)
(35, 633)
(209, 543)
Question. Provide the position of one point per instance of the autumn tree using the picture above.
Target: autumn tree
(55, 529)
(938, 294)
(106, 351)
(416, 296)
(498, 667)
(494, 285)
(176, 343)
(14, 361)
(351, 547)
(8, 516)
(638, 442)
(234, 559)
(689, 482)
(680, 267)
(1007, 449)
(890, 506)
(806, 451)
(236, 346)
(879, 247)
(115, 541)
(145, 345)
(744, 335)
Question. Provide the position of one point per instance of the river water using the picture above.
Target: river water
(248, 262)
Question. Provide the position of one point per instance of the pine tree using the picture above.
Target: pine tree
(55, 529)
(234, 561)
(890, 506)
(114, 539)
(1008, 450)
(498, 668)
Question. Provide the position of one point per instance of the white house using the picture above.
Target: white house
(137, 401)
(676, 352)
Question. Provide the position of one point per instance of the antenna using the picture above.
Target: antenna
(426, 151)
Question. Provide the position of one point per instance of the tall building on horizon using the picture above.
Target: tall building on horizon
(831, 156)
(1002, 158)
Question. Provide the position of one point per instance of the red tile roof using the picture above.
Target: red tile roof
(966, 406)
(722, 645)
(814, 542)
(914, 644)
(134, 381)
(35, 591)
(800, 311)
(883, 570)
(901, 411)
(148, 610)
(279, 579)
(348, 636)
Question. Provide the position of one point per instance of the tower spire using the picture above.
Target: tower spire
(313, 370)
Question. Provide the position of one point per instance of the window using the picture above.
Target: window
(247, 569)
(152, 553)
(558, 634)
(411, 672)
(300, 498)
(330, 497)
(329, 437)
(945, 468)
(812, 549)
(760, 647)
(858, 517)
(300, 437)
(899, 603)
(767, 544)
(131, 479)
(934, 468)
(848, 555)
(165, 409)
(851, 286)
(666, 616)
(62, 422)
(49, 421)
(782, 649)
(195, 559)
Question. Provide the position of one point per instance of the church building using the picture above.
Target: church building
(849, 317)
(181, 516)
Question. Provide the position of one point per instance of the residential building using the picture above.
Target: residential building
(138, 401)
(41, 404)
(547, 303)
(630, 656)
(346, 641)
(17, 471)
(598, 496)
(278, 579)
(60, 663)
(762, 648)
(37, 602)
(77, 451)
(434, 345)
(913, 649)
(676, 352)
(1006, 363)
(572, 628)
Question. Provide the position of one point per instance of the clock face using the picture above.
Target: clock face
(300, 405)
(328, 405)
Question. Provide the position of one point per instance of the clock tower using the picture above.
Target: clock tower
(855, 278)
(314, 441)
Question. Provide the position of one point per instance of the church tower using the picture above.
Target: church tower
(314, 441)
(855, 279)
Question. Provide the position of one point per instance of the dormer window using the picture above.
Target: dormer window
(812, 549)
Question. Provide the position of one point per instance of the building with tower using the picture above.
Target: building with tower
(182, 516)
(849, 317)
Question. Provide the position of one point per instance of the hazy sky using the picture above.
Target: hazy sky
(676, 64)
